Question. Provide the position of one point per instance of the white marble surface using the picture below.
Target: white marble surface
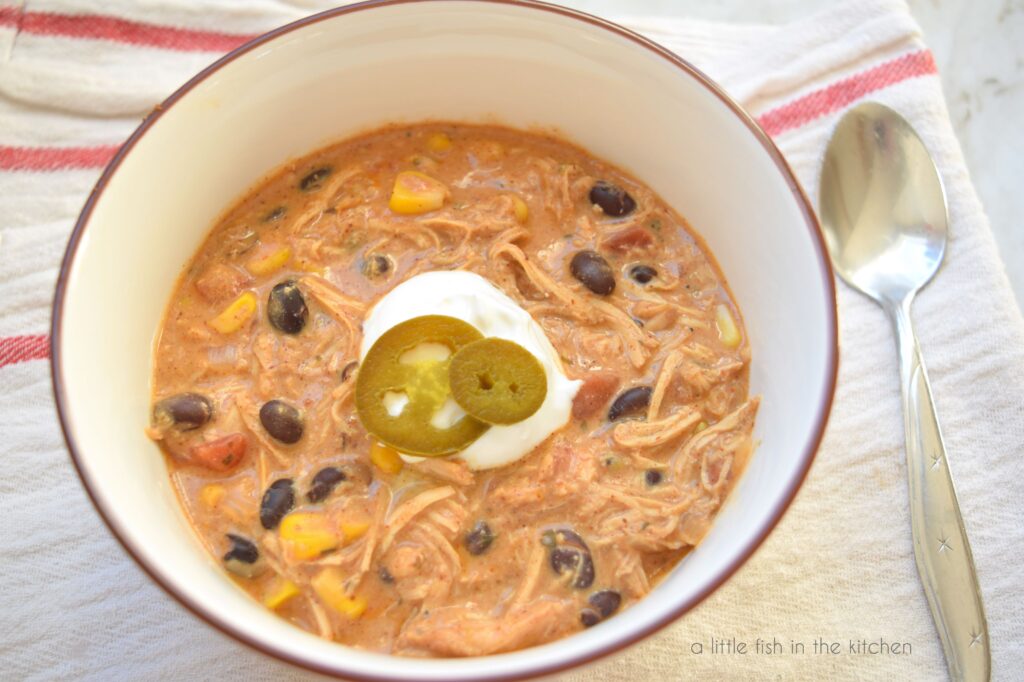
(979, 48)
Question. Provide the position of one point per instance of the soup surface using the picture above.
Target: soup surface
(540, 527)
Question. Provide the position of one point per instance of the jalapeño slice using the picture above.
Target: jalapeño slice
(497, 381)
(402, 390)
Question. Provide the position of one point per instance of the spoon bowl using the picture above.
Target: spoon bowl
(883, 207)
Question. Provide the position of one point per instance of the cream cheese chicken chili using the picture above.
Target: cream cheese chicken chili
(451, 390)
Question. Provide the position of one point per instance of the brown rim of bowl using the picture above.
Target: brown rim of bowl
(771, 520)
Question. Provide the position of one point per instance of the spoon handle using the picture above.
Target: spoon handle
(943, 554)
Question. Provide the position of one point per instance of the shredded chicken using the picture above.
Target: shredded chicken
(272, 554)
(641, 435)
(327, 195)
(465, 631)
(339, 406)
(707, 450)
(373, 534)
(561, 474)
(408, 510)
(534, 566)
(424, 562)
(426, 566)
(444, 519)
(450, 470)
(665, 376)
(322, 621)
(638, 342)
(419, 235)
(575, 304)
(630, 571)
(670, 517)
(344, 309)
(701, 379)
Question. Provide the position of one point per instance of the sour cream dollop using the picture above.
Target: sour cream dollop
(472, 299)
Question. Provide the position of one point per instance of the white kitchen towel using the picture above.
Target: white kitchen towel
(76, 79)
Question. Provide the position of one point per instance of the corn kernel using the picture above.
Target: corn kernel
(211, 495)
(415, 192)
(387, 459)
(728, 332)
(521, 209)
(353, 530)
(271, 262)
(439, 142)
(281, 590)
(307, 535)
(236, 314)
(329, 586)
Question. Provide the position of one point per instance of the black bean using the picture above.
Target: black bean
(242, 549)
(275, 215)
(612, 199)
(632, 402)
(479, 538)
(652, 477)
(606, 602)
(324, 483)
(570, 554)
(243, 557)
(315, 180)
(590, 268)
(347, 370)
(277, 501)
(565, 559)
(575, 561)
(385, 575)
(642, 273)
(376, 266)
(185, 411)
(286, 308)
(589, 617)
(282, 421)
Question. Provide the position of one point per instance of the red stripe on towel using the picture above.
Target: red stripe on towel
(9, 17)
(837, 96)
(55, 158)
(16, 349)
(137, 33)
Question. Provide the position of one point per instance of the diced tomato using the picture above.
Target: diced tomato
(597, 389)
(220, 282)
(631, 238)
(222, 454)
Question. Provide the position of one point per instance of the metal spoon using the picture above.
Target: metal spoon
(883, 210)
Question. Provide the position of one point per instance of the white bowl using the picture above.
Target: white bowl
(342, 72)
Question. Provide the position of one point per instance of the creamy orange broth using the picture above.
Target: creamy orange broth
(406, 573)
